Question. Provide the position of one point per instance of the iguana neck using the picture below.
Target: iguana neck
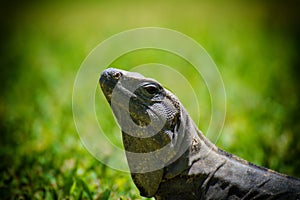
(214, 174)
(199, 148)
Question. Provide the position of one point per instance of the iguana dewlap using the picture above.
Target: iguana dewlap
(169, 158)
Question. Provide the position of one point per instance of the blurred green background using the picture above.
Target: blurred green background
(255, 44)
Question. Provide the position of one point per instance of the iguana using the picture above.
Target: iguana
(169, 158)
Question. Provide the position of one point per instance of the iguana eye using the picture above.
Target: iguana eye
(151, 89)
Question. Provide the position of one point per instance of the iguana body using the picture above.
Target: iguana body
(190, 167)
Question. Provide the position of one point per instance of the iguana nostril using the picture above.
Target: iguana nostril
(117, 75)
(110, 73)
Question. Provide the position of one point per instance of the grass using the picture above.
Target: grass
(41, 152)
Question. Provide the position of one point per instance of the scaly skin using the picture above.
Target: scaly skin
(191, 167)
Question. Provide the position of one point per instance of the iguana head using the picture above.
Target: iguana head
(150, 117)
(143, 108)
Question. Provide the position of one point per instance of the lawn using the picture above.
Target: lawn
(44, 44)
